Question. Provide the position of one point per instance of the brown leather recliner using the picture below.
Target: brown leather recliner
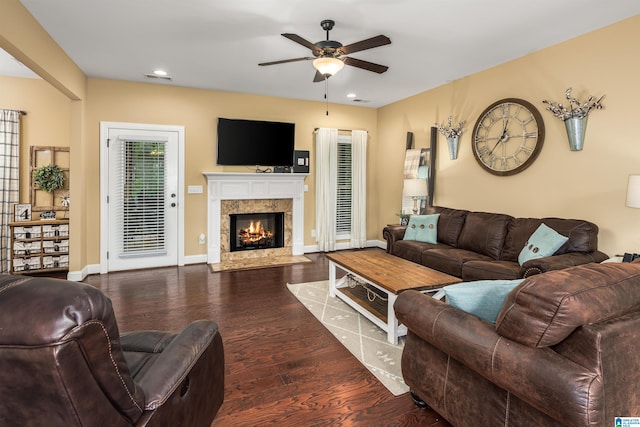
(64, 363)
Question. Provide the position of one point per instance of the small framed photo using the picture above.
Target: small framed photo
(22, 212)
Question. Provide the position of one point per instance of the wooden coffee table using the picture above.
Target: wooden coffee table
(385, 276)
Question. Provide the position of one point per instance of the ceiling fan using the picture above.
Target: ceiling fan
(329, 56)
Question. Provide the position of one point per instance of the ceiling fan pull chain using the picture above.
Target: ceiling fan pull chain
(326, 92)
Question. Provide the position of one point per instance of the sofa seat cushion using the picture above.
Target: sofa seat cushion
(487, 270)
(482, 298)
(412, 250)
(449, 260)
(548, 307)
(484, 233)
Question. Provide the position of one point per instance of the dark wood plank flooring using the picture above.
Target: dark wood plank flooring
(282, 366)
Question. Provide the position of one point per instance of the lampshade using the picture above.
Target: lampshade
(328, 66)
(633, 191)
(415, 187)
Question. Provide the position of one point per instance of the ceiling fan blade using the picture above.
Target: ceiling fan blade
(319, 77)
(364, 44)
(284, 61)
(365, 65)
(306, 43)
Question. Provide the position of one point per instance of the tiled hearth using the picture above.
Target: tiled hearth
(254, 206)
(252, 193)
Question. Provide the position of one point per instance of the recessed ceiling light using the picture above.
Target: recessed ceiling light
(159, 72)
(351, 95)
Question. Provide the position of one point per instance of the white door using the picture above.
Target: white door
(143, 205)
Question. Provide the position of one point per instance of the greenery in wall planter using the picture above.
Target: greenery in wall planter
(49, 178)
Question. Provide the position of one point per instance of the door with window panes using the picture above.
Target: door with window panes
(142, 198)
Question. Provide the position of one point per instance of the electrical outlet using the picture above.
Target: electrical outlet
(201, 238)
(313, 233)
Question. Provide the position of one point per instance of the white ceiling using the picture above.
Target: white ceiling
(216, 44)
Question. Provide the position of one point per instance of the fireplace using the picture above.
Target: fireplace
(240, 193)
(264, 230)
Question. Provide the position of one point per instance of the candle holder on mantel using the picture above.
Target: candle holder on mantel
(574, 117)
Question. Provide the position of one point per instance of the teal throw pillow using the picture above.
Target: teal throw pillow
(482, 298)
(545, 241)
(422, 228)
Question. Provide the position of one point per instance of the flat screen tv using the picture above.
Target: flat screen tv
(255, 143)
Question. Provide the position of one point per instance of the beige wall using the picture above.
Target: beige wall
(198, 110)
(590, 184)
(46, 123)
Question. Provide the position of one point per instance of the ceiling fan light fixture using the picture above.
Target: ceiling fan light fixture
(328, 66)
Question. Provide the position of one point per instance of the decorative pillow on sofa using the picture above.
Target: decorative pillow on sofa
(544, 242)
(422, 228)
(482, 298)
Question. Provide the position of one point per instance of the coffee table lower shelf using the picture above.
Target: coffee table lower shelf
(385, 320)
(356, 295)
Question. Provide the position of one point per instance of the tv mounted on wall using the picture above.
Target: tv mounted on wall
(255, 143)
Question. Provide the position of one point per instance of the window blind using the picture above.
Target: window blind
(344, 188)
(143, 198)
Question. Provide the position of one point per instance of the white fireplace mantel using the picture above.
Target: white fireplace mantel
(247, 186)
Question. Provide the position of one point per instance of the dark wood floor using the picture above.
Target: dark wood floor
(282, 366)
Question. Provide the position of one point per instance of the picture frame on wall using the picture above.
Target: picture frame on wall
(22, 212)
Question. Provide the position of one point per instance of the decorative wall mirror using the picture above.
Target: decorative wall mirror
(56, 200)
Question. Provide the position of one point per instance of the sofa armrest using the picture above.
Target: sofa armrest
(393, 233)
(538, 376)
(167, 370)
(559, 262)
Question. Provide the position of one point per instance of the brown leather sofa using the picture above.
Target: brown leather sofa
(565, 351)
(485, 246)
(64, 362)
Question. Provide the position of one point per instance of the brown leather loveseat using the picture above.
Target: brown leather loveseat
(64, 362)
(565, 351)
(485, 246)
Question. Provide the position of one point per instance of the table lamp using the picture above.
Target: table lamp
(633, 191)
(415, 188)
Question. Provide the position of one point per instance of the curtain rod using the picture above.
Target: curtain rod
(24, 113)
(339, 130)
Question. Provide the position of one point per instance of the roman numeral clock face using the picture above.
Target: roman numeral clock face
(508, 136)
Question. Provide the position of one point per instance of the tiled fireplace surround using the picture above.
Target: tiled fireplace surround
(252, 193)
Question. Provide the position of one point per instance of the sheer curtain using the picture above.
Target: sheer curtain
(359, 188)
(326, 179)
(9, 184)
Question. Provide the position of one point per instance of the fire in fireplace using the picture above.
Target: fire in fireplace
(256, 231)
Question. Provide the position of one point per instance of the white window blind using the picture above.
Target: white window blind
(344, 189)
(143, 198)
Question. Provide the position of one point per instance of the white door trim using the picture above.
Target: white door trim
(104, 184)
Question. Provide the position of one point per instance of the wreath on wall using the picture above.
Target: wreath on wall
(49, 178)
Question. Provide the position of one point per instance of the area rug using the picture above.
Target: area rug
(262, 262)
(366, 341)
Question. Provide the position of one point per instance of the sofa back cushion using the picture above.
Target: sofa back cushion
(546, 308)
(484, 233)
(583, 235)
(450, 224)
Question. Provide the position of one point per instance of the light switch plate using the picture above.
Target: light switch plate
(194, 189)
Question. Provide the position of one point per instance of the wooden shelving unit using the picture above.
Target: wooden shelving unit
(39, 246)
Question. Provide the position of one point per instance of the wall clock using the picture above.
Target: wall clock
(508, 136)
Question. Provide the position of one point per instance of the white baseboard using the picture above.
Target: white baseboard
(79, 275)
(346, 245)
(76, 276)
